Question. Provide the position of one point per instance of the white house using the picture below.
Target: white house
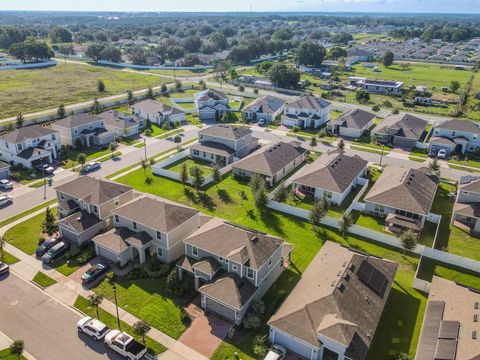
(158, 112)
(352, 123)
(29, 145)
(456, 136)
(466, 210)
(307, 112)
(122, 124)
(377, 86)
(211, 104)
(265, 108)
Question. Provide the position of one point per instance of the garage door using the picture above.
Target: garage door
(69, 235)
(404, 142)
(288, 122)
(5, 174)
(107, 254)
(293, 345)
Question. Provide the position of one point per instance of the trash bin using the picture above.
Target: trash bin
(50, 181)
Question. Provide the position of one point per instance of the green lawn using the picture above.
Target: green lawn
(26, 91)
(181, 73)
(429, 267)
(465, 162)
(69, 266)
(369, 221)
(43, 280)
(91, 153)
(6, 355)
(83, 305)
(191, 162)
(406, 306)
(8, 259)
(156, 130)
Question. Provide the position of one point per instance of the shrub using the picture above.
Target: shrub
(110, 277)
(375, 108)
(185, 317)
(260, 347)
(241, 88)
(254, 317)
(255, 91)
(174, 285)
(72, 252)
(86, 256)
(395, 111)
(41, 240)
(138, 272)
(296, 129)
(148, 132)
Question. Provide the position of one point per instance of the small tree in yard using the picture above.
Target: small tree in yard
(61, 111)
(17, 348)
(49, 224)
(402, 356)
(256, 182)
(184, 174)
(434, 165)
(344, 224)
(197, 175)
(260, 198)
(388, 58)
(177, 140)
(216, 176)
(362, 96)
(254, 317)
(313, 142)
(148, 124)
(2, 245)
(149, 93)
(113, 146)
(130, 96)
(95, 300)
(100, 86)
(178, 85)
(163, 88)
(318, 212)
(243, 196)
(144, 163)
(454, 85)
(82, 159)
(282, 193)
(19, 120)
(341, 144)
(260, 345)
(141, 328)
(409, 241)
(96, 108)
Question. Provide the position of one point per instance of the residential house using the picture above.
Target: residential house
(451, 327)
(223, 143)
(85, 129)
(466, 210)
(29, 145)
(211, 104)
(4, 170)
(85, 206)
(404, 196)
(158, 112)
(335, 308)
(403, 130)
(147, 227)
(307, 112)
(232, 266)
(332, 176)
(265, 108)
(377, 86)
(273, 162)
(122, 124)
(456, 136)
(352, 123)
(359, 54)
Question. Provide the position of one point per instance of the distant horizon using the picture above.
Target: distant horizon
(441, 7)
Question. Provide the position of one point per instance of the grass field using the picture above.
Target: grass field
(6, 355)
(401, 321)
(26, 91)
(43, 280)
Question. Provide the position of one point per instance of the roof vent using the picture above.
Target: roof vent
(79, 218)
(367, 299)
(333, 283)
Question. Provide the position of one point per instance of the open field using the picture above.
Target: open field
(26, 91)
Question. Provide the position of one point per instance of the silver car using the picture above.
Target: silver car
(6, 184)
(5, 200)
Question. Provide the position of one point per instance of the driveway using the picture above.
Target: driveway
(206, 332)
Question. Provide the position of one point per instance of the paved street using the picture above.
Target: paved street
(47, 326)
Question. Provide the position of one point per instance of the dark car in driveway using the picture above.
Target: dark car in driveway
(45, 246)
(95, 272)
(55, 252)
(4, 268)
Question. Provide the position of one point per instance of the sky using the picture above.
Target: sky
(417, 6)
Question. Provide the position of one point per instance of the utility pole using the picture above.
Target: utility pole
(116, 306)
(381, 154)
(145, 147)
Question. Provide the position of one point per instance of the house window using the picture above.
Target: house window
(196, 152)
(53, 137)
(160, 252)
(465, 192)
(19, 147)
(134, 224)
(269, 262)
(234, 267)
(226, 261)
(95, 209)
(453, 133)
(75, 131)
(250, 274)
(194, 251)
(220, 259)
(159, 235)
(327, 194)
(61, 196)
(116, 201)
(379, 208)
(117, 220)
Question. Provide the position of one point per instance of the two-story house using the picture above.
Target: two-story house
(122, 124)
(307, 112)
(332, 176)
(265, 108)
(158, 112)
(29, 145)
(85, 130)
(211, 104)
(85, 206)
(273, 162)
(456, 136)
(223, 143)
(232, 266)
(466, 210)
(147, 227)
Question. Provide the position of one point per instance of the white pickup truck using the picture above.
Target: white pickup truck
(125, 345)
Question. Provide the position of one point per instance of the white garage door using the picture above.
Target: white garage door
(288, 122)
(293, 345)
(107, 254)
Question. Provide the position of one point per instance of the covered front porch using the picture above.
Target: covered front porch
(202, 270)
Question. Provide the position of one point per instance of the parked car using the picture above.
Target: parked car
(276, 352)
(261, 122)
(6, 184)
(95, 272)
(4, 268)
(45, 246)
(91, 166)
(55, 253)
(5, 200)
(46, 168)
(442, 154)
(125, 345)
(92, 327)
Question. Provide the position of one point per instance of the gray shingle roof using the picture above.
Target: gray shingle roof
(119, 119)
(473, 186)
(210, 94)
(309, 102)
(118, 239)
(403, 125)
(411, 190)
(92, 190)
(80, 221)
(460, 125)
(26, 133)
(214, 148)
(152, 106)
(77, 120)
(4, 165)
(334, 171)
(354, 119)
(156, 214)
(268, 160)
(226, 131)
(267, 104)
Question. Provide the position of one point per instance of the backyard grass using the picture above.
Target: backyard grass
(27, 212)
(6, 355)
(26, 91)
(83, 305)
(8, 259)
(429, 267)
(406, 305)
(43, 280)
(190, 162)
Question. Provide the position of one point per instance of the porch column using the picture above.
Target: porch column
(142, 255)
(180, 274)
(197, 283)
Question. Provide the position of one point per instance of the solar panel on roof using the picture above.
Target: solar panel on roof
(446, 349)
(373, 278)
(449, 329)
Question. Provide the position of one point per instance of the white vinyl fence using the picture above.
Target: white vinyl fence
(29, 66)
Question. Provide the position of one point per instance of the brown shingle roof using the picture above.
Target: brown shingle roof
(208, 266)
(152, 106)
(26, 133)
(208, 94)
(214, 148)
(119, 119)
(77, 120)
(402, 125)
(92, 190)
(473, 186)
(80, 221)
(234, 243)
(354, 119)
(309, 102)
(267, 104)
(118, 239)
(226, 131)
(268, 160)
(334, 171)
(411, 190)
(156, 214)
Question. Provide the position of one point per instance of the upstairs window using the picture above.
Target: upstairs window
(250, 274)
(134, 225)
(194, 251)
(159, 235)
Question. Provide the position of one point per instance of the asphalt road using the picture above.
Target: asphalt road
(47, 327)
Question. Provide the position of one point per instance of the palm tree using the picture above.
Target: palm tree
(61, 111)
(434, 165)
(184, 174)
(344, 224)
(341, 144)
(313, 142)
(145, 165)
(141, 328)
(19, 120)
(82, 159)
(17, 347)
(95, 300)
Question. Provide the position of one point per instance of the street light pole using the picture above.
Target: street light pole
(116, 306)
(381, 155)
(145, 147)
(44, 181)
